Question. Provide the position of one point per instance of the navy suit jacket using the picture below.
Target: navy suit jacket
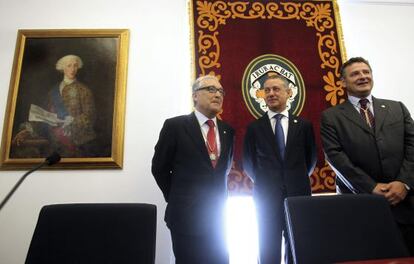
(195, 191)
(273, 178)
(362, 157)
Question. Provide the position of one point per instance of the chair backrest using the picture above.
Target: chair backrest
(329, 229)
(94, 233)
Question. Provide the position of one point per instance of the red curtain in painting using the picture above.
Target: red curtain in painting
(229, 35)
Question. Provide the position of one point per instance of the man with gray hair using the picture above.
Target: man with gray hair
(192, 159)
(279, 155)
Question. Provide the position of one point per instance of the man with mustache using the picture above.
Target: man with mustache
(369, 143)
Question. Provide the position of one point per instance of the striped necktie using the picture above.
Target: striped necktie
(366, 113)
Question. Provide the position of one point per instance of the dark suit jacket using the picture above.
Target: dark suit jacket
(363, 157)
(194, 190)
(273, 178)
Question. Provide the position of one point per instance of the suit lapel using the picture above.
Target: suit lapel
(266, 128)
(224, 144)
(349, 111)
(380, 113)
(194, 132)
(294, 126)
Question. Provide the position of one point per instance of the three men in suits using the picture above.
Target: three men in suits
(191, 162)
(369, 143)
(279, 155)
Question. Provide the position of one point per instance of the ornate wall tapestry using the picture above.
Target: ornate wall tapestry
(242, 41)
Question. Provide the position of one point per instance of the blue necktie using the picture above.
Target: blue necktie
(280, 137)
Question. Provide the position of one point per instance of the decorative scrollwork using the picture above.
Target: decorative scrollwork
(327, 49)
(323, 179)
(316, 15)
(334, 89)
(328, 176)
(289, 11)
(238, 182)
(239, 9)
(211, 15)
(209, 56)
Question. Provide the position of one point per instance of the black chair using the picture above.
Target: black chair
(94, 233)
(329, 229)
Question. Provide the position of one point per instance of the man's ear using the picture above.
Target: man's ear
(343, 82)
(290, 92)
(194, 97)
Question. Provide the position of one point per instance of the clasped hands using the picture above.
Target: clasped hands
(394, 191)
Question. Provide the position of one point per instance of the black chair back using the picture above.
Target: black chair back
(94, 233)
(329, 229)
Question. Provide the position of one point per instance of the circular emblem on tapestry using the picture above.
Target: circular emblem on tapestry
(255, 75)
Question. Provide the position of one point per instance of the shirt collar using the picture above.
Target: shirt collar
(355, 100)
(271, 114)
(202, 119)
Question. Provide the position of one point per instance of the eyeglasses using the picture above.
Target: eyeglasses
(213, 90)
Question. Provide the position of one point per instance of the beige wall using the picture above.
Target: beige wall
(158, 87)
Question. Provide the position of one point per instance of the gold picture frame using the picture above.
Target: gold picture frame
(67, 95)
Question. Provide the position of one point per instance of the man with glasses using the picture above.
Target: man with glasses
(279, 155)
(191, 162)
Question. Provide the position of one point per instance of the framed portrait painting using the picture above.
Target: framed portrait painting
(67, 95)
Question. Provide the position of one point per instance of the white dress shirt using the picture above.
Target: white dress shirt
(202, 119)
(284, 121)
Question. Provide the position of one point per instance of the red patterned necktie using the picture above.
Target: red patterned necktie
(211, 143)
(366, 113)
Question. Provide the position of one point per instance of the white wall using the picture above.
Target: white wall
(158, 87)
(381, 31)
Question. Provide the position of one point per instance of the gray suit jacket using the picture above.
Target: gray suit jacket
(362, 157)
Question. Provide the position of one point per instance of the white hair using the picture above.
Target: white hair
(62, 62)
(199, 80)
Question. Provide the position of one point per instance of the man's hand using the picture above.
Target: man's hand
(66, 125)
(380, 189)
(394, 191)
(21, 137)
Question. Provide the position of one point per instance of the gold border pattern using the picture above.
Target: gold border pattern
(316, 14)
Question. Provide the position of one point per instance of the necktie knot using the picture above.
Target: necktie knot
(364, 102)
(210, 123)
(278, 117)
